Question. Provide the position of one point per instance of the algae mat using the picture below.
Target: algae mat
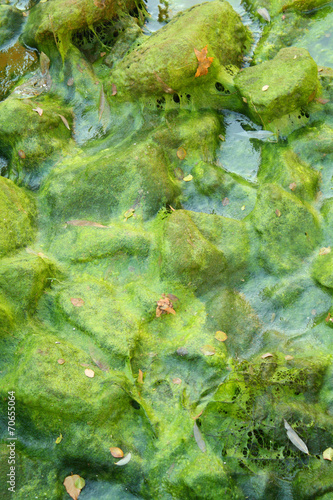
(166, 225)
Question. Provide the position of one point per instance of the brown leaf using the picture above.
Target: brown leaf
(89, 373)
(328, 317)
(61, 361)
(293, 186)
(102, 54)
(225, 202)
(177, 381)
(322, 101)
(325, 250)
(165, 87)
(64, 121)
(140, 377)
(77, 302)
(21, 154)
(164, 305)
(84, 223)
(278, 213)
(181, 153)
(70, 82)
(267, 355)
(312, 95)
(203, 60)
(208, 350)
(71, 489)
(116, 452)
(38, 110)
(221, 336)
(114, 89)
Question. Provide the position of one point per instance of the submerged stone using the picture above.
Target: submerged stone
(10, 23)
(15, 61)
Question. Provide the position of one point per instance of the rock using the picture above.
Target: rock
(17, 217)
(10, 23)
(322, 269)
(292, 82)
(15, 61)
(287, 238)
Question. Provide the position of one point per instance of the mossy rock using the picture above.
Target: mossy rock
(23, 279)
(166, 61)
(275, 7)
(288, 230)
(187, 256)
(292, 81)
(230, 312)
(6, 317)
(322, 269)
(17, 217)
(10, 22)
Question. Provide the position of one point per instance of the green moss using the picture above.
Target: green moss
(322, 269)
(286, 236)
(10, 22)
(17, 217)
(6, 317)
(291, 77)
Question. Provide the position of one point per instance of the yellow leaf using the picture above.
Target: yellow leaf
(59, 439)
(71, 489)
(221, 336)
(89, 373)
(328, 454)
(325, 250)
(243, 207)
(181, 153)
(116, 452)
(188, 178)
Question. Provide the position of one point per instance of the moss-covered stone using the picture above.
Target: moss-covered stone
(17, 217)
(166, 62)
(10, 22)
(187, 256)
(288, 229)
(6, 317)
(292, 82)
(322, 269)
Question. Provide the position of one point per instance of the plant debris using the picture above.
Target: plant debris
(74, 485)
(116, 452)
(164, 305)
(295, 439)
(203, 60)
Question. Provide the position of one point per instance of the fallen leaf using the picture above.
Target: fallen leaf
(61, 361)
(243, 207)
(244, 100)
(203, 60)
(188, 178)
(125, 460)
(312, 95)
(278, 213)
(181, 153)
(288, 357)
(322, 101)
(114, 89)
(313, 312)
(129, 213)
(140, 377)
(328, 454)
(198, 437)
(264, 14)
(325, 250)
(265, 87)
(64, 121)
(283, 17)
(85, 365)
(59, 439)
(177, 381)
(171, 296)
(225, 202)
(21, 154)
(165, 87)
(293, 186)
(164, 305)
(70, 485)
(267, 355)
(70, 82)
(172, 208)
(116, 452)
(328, 317)
(221, 336)
(208, 350)
(102, 54)
(221, 137)
(89, 373)
(38, 110)
(101, 104)
(295, 439)
(25, 14)
(77, 302)
(84, 223)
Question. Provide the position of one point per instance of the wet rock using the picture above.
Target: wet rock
(15, 61)
(10, 23)
(322, 269)
(280, 86)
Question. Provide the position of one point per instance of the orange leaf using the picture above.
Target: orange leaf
(203, 60)
(21, 154)
(116, 452)
(77, 302)
(139, 379)
(181, 153)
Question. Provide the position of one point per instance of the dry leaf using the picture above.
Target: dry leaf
(25, 14)
(221, 336)
(177, 381)
(84, 223)
(325, 250)
(70, 82)
(264, 14)
(293, 186)
(71, 483)
(267, 355)
(116, 452)
(188, 178)
(225, 202)
(21, 154)
(244, 100)
(164, 305)
(171, 296)
(89, 373)
(265, 87)
(61, 361)
(181, 153)
(38, 110)
(129, 213)
(328, 317)
(312, 95)
(203, 60)
(328, 454)
(125, 460)
(102, 54)
(295, 439)
(101, 104)
(322, 101)
(198, 437)
(59, 439)
(208, 350)
(77, 302)
(288, 357)
(64, 121)
(114, 89)
(278, 213)
(140, 377)
(165, 87)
